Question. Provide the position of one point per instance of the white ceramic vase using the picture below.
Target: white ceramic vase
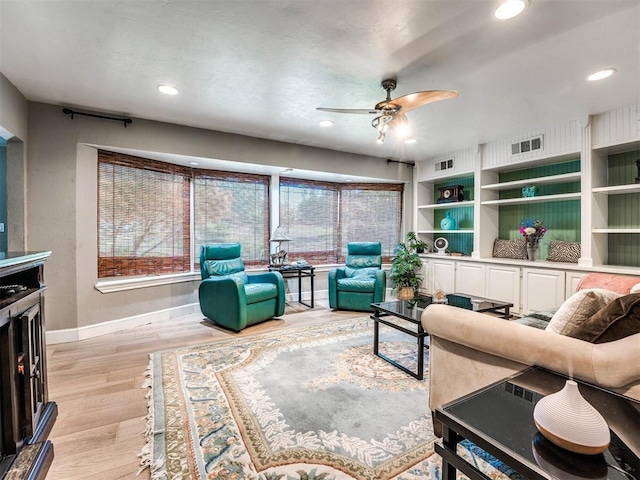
(569, 421)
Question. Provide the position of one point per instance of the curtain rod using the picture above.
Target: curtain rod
(125, 121)
(408, 164)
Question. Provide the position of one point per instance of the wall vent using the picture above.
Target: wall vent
(525, 146)
(444, 165)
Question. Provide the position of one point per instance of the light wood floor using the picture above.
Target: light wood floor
(97, 386)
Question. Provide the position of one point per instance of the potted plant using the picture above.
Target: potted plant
(404, 268)
(415, 243)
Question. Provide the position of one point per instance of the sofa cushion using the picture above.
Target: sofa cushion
(361, 273)
(357, 284)
(563, 251)
(510, 249)
(224, 267)
(617, 283)
(619, 319)
(259, 292)
(635, 288)
(578, 307)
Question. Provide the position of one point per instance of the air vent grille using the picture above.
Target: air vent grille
(444, 165)
(525, 146)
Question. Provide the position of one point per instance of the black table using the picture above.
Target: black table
(299, 272)
(499, 420)
(410, 311)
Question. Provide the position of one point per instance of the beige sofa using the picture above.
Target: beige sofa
(470, 350)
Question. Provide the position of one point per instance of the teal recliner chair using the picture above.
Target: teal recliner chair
(231, 298)
(362, 281)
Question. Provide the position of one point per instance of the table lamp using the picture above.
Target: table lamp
(280, 235)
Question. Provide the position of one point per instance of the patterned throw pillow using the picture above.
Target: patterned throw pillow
(563, 251)
(579, 307)
(510, 249)
(619, 319)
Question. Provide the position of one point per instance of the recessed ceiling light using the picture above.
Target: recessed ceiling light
(410, 141)
(599, 75)
(195, 164)
(510, 9)
(168, 89)
(325, 123)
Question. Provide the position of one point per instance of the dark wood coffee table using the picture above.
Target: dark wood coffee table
(499, 420)
(410, 314)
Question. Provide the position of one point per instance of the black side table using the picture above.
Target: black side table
(499, 420)
(299, 272)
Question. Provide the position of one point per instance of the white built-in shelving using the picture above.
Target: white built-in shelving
(560, 197)
(442, 206)
(548, 180)
(618, 189)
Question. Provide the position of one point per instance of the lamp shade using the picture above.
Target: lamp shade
(280, 235)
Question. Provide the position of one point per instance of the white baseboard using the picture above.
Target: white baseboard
(90, 331)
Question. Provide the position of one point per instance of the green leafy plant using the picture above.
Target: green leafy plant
(405, 266)
(416, 244)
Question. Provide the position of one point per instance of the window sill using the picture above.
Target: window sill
(122, 284)
(112, 285)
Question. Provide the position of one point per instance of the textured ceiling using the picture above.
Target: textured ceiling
(260, 67)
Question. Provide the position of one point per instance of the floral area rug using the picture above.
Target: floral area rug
(312, 403)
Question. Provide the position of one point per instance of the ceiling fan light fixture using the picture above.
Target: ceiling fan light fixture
(601, 74)
(510, 8)
(381, 137)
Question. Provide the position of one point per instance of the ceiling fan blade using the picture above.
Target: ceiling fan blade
(418, 99)
(361, 111)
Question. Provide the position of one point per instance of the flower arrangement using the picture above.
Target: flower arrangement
(533, 230)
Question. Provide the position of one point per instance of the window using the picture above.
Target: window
(150, 214)
(309, 210)
(231, 207)
(322, 217)
(143, 216)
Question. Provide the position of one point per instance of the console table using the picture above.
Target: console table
(499, 420)
(299, 272)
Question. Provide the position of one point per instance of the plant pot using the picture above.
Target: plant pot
(406, 293)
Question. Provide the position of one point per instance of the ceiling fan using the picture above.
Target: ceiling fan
(391, 112)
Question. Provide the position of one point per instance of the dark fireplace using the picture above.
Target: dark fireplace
(26, 415)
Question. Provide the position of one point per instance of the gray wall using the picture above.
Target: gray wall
(62, 201)
(14, 126)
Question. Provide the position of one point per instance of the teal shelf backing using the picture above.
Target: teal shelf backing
(623, 211)
(541, 171)
(562, 220)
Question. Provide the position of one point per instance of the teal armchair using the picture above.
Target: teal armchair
(231, 298)
(361, 281)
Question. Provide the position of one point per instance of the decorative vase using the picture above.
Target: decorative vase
(532, 251)
(566, 419)
(448, 222)
(406, 293)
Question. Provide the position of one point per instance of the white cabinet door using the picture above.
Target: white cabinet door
(444, 275)
(426, 286)
(503, 283)
(542, 289)
(470, 278)
(572, 280)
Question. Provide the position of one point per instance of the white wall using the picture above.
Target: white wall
(62, 205)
